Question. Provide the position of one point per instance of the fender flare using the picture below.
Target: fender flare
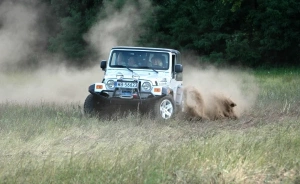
(91, 89)
(167, 91)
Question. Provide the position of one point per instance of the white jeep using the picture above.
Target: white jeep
(149, 79)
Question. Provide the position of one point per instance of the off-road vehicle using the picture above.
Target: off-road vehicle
(149, 79)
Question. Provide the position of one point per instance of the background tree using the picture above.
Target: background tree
(75, 18)
(252, 33)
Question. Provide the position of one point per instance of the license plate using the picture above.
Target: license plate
(126, 84)
(126, 93)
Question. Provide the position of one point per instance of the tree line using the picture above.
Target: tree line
(251, 33)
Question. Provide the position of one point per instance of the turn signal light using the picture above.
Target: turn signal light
(99, 86)
(157, 90)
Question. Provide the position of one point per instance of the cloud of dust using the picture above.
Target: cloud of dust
(52, 82)
(240, 86)
(17, 32)
(48, 84)
(19, 35)
(20, 38)
(118, 28)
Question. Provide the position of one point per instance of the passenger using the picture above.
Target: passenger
(156, 62)
(132, 62)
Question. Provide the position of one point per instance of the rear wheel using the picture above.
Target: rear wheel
(164, 108)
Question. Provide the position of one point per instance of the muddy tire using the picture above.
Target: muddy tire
(89, 107)
(164, 108)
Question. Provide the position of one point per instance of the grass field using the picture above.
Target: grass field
(51, 143)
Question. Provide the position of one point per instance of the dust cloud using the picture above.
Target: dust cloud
(119, 28)
(21, 37)
(52, 82)
(17, 32)
(235, 84)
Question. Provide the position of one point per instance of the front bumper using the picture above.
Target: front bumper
(106, 100)
(111, 97)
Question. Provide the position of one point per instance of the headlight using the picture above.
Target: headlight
(110, 84)
(146, 86)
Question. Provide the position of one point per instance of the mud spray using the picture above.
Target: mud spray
(22, 37)
(217, 85)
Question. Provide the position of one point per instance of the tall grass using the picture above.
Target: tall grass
(51, 143)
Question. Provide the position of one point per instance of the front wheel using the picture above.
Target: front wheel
(89, 106)
(164, 108)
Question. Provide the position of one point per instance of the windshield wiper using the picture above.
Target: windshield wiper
(129, 69)
(122, 66)
(150, 68)
(154, 70)
(146, 67)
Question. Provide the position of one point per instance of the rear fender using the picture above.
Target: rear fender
(179, 95)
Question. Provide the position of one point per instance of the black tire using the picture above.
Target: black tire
(164, 108)
(89, 107)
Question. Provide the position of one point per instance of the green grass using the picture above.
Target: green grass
(50, 143)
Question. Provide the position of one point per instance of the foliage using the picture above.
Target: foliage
(75, 19)
(252, 33)
(236, 4)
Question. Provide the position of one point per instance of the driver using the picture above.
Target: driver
(132, 62)
(156, 62)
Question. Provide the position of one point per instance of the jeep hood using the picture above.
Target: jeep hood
(145, 74)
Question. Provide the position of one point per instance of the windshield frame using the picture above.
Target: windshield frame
(145, 59)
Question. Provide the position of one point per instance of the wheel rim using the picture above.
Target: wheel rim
(166, 109)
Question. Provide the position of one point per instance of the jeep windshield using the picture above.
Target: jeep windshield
(139, 60)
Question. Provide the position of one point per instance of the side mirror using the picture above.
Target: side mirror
(103, 65)
(178, 68)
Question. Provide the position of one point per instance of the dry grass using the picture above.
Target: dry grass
(51, 143)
